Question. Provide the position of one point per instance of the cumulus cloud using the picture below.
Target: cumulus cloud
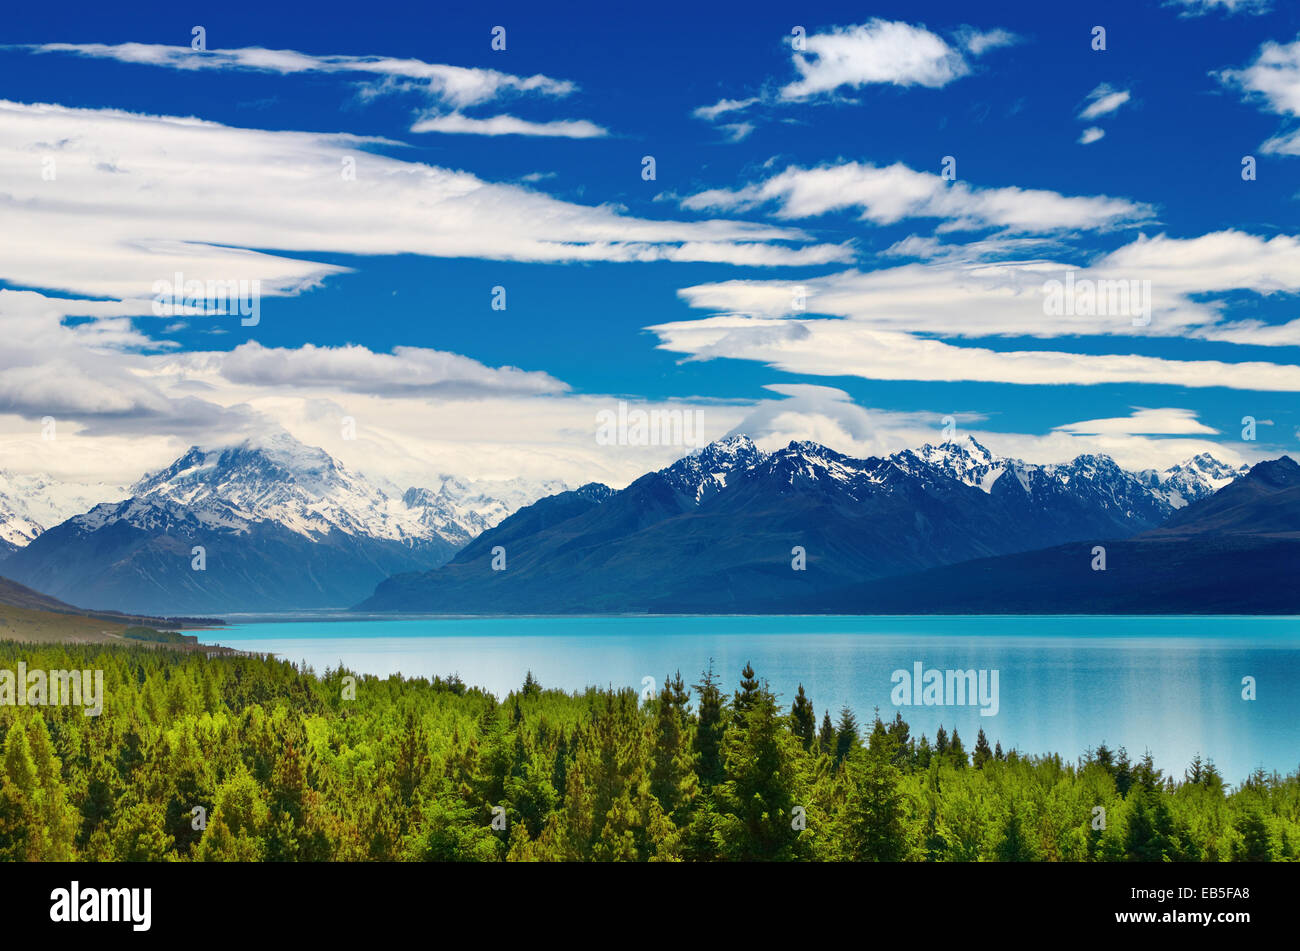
(1273, 81)
(1091, 135)
(885, 195)
(880, 51)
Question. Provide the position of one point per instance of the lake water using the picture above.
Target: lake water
(1169, 684)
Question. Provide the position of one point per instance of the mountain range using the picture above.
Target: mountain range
(273, 525)
(281, 526)
(733, 529)
(1235, 552)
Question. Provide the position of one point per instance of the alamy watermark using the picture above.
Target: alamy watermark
(53, 688)
(945, 688)
(179, 297)
(1100, 297)
(654, 427)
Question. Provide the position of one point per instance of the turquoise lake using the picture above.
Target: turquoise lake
(1173, 685)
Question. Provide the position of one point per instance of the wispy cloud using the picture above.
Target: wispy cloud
(1198, 8)
(896, 192)
(1174, 421)
(1103, 101)
(457, 123)
(453, 87)
(1273, 79)
(127, 205)
(723, 106)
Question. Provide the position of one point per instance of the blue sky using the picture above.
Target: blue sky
(815, 168)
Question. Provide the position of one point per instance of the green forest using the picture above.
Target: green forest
(199, 758)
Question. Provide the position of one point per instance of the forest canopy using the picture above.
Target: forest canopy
(198, 758)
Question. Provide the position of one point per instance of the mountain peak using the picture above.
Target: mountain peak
(1278, 473)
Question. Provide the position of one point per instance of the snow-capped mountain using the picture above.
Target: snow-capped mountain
(458, 510)
(280, 526)
(1190, 481)
(29, 503)
(716, 530)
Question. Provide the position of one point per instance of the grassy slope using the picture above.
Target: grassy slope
(30, 624)
(28, 615)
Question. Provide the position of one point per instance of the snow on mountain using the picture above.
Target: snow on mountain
(306, 490)
(702, 473)
(459, 510)
(1190, 481)
(28, 504)
(966, 460)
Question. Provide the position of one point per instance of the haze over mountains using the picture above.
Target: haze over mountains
(718, 530)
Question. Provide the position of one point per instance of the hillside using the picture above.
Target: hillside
(719, 531)
(1235, 552)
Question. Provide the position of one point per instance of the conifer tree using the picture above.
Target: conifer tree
(846, 734)
(826, 737)
(709, 730)
(748, 690)
(803, 721)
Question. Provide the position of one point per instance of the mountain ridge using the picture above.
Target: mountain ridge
(716, 530)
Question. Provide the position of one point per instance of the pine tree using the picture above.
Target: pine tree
(846, 735)
(681, 697)
(902, 736)
(924, 753)
(756, 802)
(803, 721)
(982, 752)
(957, 752)
(709, 730)
(748, 690)
(826, 737)
(875, 809)
(672, 776)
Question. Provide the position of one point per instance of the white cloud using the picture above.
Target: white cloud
(407, 371)
(458, 86)
(723, 106)
(1103, 101)
(1274, 79)
(957, 294)
(895, 192)
(879, 51)
(1091, 135)
(737, 131)
(1197, 8)
(1166, 421)
(136, 199)
(979, 42)
(890, 323)
(455, 122)
(824, 347)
